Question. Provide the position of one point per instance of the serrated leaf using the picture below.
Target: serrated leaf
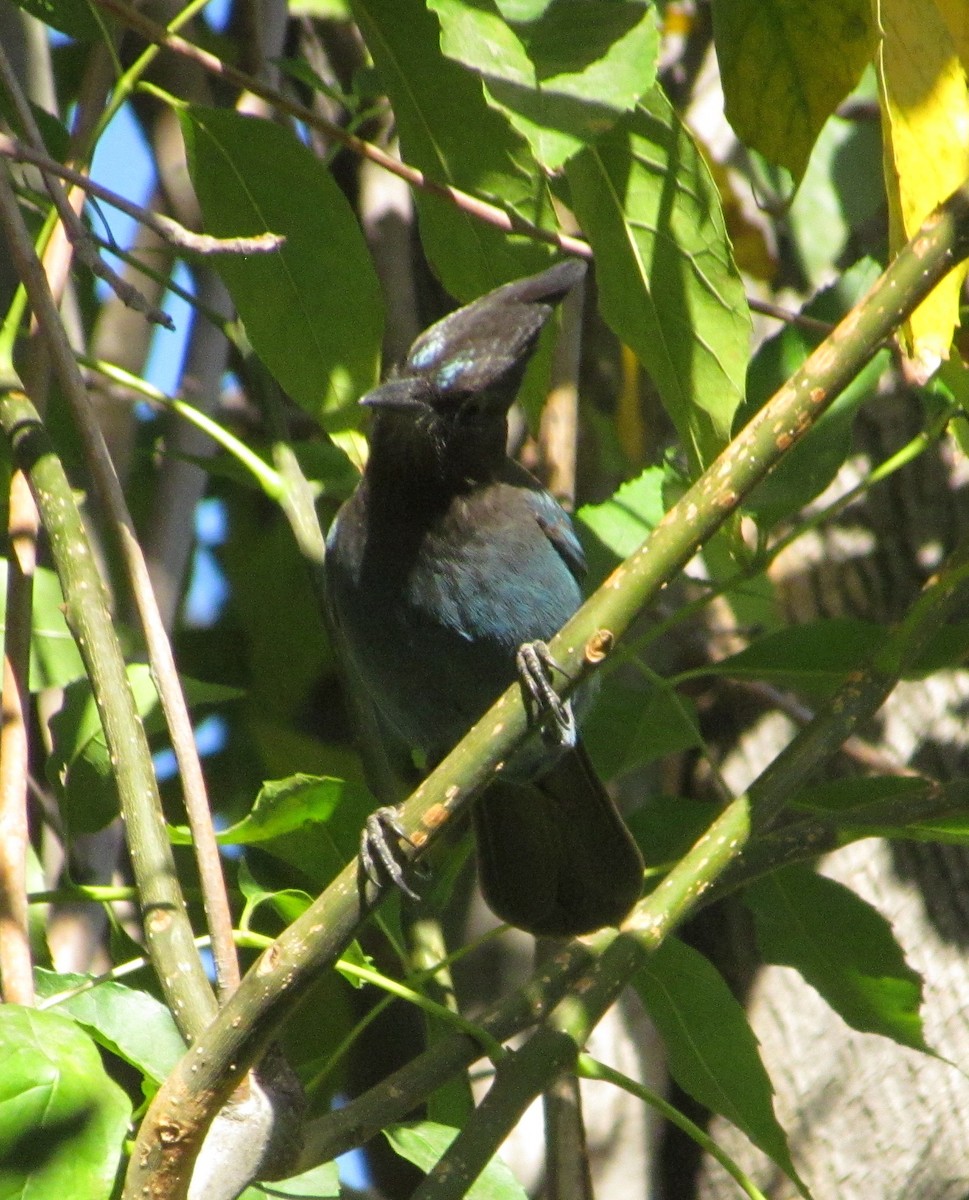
(668, 286)
(786, 66)
(131, 1024)
(711, 1049)
(925, 120)
(54, 657)
(423, 1143)
(288, 805)
(564, 75)
(312, 309)
(62, 1120)
(843, 947)
(624, 521)
(436, 103)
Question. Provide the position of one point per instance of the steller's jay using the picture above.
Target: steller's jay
(447, 558)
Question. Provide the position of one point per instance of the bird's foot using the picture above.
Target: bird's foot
(535, 666)
(375, 848)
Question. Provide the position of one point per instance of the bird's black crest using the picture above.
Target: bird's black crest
(479, 346)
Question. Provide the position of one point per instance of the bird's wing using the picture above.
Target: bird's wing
(555, 523)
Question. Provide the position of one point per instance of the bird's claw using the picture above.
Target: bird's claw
(535, 665)
(375, 849)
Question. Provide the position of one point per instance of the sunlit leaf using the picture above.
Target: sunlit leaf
(424, 1142)
(62, 1120)
(130, 1023)
(318, 1183)
(563, 76)
(450, 132)
(312, 309)
(54, 657)
(668, 286)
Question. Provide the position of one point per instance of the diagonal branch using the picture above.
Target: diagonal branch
(168, 229)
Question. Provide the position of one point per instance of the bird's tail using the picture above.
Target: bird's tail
(554, 855)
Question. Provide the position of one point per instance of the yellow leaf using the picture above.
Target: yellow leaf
(925, 113)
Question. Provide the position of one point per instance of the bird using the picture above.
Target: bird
(446, 572)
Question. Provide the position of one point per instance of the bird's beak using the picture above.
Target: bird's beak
(394, 393)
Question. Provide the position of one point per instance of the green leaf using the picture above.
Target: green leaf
(665, 827)
(288, 805)
(843, 947)
(711, 1049)
(288, 903)
(625, 520)
(319, 1183)
(74, 17)
(54, 657)
(814, 658)
(668, 286)
(312, 309)
(946, 648)
(80, 764)
(131, 1024)
(437, 104)
(423, 1143)
(628, 728)
(835, 198)
(62, 1120)
(786, 66)
(874, 807)
(842, 795)
(562, 77)
(311, 822)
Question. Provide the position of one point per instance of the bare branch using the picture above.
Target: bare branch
(78, 236)
(172, 231)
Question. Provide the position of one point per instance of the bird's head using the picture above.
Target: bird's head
(462, 374)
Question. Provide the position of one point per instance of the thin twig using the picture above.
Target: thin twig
(166, 227)
(159, 647)
(779, 313)
(73, 228)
